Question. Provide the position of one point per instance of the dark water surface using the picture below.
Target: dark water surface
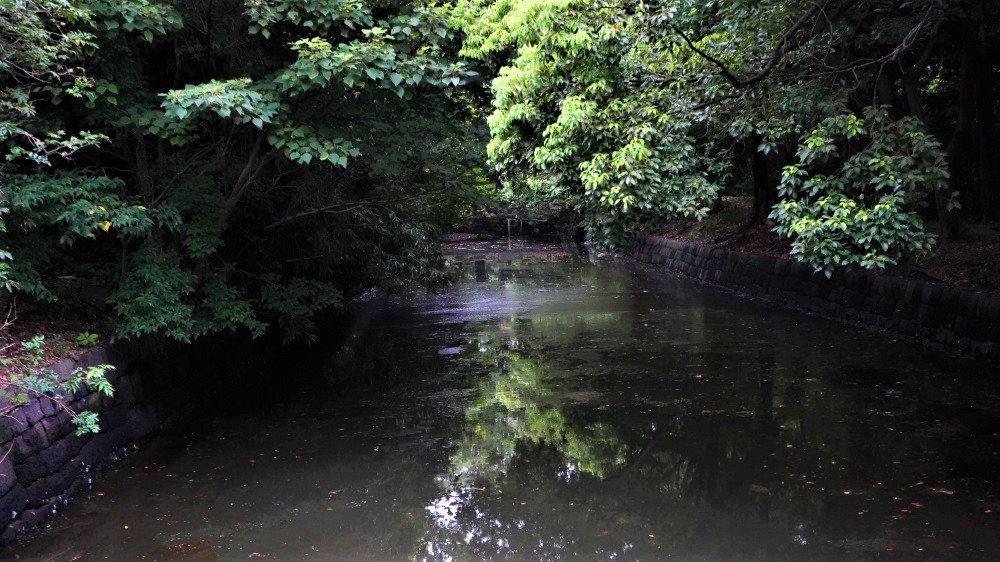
(549, 408)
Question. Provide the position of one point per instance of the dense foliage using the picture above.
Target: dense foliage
(189, 167)
(208, 165)
(629, 112)
(211, 165)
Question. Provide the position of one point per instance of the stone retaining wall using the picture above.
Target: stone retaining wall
(45, 462)
(955, 319)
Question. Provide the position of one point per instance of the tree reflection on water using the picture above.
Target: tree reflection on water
(588, 436)
(520, 417)
(611, 420)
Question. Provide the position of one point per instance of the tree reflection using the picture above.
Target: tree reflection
(547, 457)
(635, 426)
(519, 407)
(520, 417)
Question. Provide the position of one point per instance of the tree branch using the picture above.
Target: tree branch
(786, 44)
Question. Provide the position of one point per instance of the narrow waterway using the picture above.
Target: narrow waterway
(549, 408)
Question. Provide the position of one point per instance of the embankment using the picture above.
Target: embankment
(945, 317)
(45, 462)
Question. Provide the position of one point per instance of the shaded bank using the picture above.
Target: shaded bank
(158, 385)
(45, 462)
(945, 317)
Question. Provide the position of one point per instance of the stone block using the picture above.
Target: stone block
(64, 368)
(33, 410)
(931, 294)
(857, 280)
(12, 503)
(115, 417)
(855, 299)
(800, 271)
(48, 406)
(980, 329)
(969, 302)
(45, 490)
(993, 308)
(908, 311)
(950, 298)
(31, 469)
(12, 532)
(765, 263)
(26, 414)
(58, 425)
(94, 356)
(889, 307)
(895, 289)
(91, 401)
(142, 420)
(782, 267)
(96, 450)
(60, 453)
(8, 476)
(878, 286)
(7, 431)
(30, 442)
(124, 393)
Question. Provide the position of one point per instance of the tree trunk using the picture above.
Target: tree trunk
(885, 85)
(950, 221)
(763, 194)
(911, 88)
(989, 148)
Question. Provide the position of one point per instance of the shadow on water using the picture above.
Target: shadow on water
(546, 407)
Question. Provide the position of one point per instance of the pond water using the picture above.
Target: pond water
(549, 408)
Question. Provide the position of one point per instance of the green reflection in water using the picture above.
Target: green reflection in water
(529, 417)
(521, 406)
